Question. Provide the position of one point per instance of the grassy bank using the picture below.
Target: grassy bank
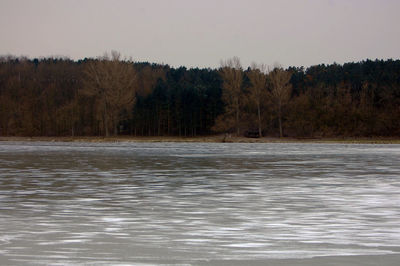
(212, 139)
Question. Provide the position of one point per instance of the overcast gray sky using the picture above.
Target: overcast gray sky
(202, 32)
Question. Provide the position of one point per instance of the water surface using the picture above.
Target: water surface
(196, 203)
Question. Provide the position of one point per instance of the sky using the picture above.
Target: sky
(201, 33)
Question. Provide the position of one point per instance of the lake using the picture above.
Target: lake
(199, 203)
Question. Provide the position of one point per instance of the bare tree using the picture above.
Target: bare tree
(112, 81)
(232, 75)
(281, 89)
(258, 90)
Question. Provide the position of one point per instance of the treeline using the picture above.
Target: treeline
(113, 96)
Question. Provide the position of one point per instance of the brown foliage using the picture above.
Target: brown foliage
(258, 90)
(232, 75)
(112, 83)
(281, 89)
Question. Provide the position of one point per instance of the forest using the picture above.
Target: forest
(111, 95)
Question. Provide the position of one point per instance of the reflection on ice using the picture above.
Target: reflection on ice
(70, 203)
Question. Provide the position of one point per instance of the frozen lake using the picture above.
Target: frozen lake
(197, 203)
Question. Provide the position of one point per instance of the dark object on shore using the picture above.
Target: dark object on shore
(252, 134)
(227, 138)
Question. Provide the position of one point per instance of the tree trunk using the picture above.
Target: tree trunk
(106, 120)
(259, 119)
(106, 127)
(115, 128)
(280, 121)
(237, 119)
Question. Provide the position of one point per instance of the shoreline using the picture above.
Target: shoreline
(207, 139)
